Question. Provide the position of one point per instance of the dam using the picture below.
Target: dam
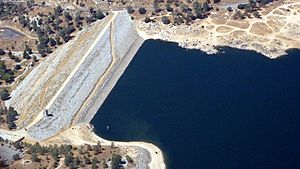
(74, 81)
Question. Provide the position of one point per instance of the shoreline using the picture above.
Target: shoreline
(272, 35)
(124, 43)
(128, 40)
(98, 96)
(83, 134)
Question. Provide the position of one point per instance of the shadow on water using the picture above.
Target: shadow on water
(226, 111)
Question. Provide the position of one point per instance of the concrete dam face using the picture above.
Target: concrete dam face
(74, 81)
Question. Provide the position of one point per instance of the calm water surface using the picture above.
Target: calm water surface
(237, 110)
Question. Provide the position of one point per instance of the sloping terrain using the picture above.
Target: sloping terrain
(52, 94)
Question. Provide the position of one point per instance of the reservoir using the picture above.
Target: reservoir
(234, 110)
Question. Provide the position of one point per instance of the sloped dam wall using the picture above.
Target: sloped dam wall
(74, 81)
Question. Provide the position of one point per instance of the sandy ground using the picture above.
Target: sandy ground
(82, 134)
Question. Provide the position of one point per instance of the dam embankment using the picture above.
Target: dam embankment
(73, 82)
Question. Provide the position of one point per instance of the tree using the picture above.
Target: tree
(165, 20)
(28, 49)
(69, 159)
(86, 160)
(147, 20)
(78, 18)
(156, 8)
(229, 9)
(129, 159)
(142, 10)
(184, 8)
(97, 149)
(76, 161)
(99, 15)
(26, 55)
(58, 11)
(16, 156)
(4, 94)
(18, 67)
(198, 9)
(130, 10)
(68, 16)
(57, 39)
(34, 158)
(206, 7)
(104, 165)
(3, 111)
(2, 52)
(48, 50)
(10, 118)
(52, 42)
(11, 125)
(94, 164)
(10, 55)
(92, 10)
(115, 161)
(168, 7)
(2, 163)
(41, 51)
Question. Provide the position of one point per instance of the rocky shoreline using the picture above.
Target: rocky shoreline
(272, 35)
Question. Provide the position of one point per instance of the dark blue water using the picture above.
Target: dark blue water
(237, 110)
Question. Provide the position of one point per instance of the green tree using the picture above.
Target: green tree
(99, 15)
(52, 42)
(4, 94)
(86, 160)
(34, 157)
(94, 164)
(130, 9)
(68, 16)
(168, 7)
(2, 52)
(129, 159)
(76, 161)
(26, 55)
(142, 10)
(11, 125)
(147, 20)
(115, 161)
(165, 20)
(8, 77)
(28, 49)
(68, 159)
(10, 55)
(16, 156)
